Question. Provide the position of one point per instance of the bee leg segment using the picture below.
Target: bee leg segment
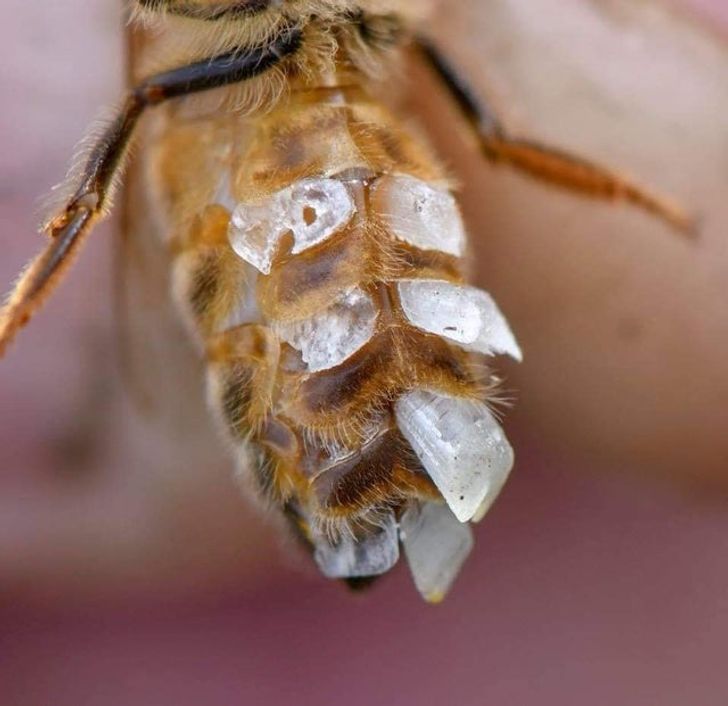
(543, 162)
(105, 162)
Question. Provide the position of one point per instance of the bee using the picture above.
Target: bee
(318, 262)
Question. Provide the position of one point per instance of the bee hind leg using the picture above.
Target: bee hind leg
(543, 162)
(104, 164)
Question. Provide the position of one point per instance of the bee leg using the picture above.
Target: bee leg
(104, 164)
(546, 163)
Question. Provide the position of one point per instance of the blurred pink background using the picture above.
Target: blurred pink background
(582, 589)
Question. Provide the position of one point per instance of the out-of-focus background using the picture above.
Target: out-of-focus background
(131, 571)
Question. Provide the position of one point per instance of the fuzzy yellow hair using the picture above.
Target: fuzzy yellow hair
(175, 40)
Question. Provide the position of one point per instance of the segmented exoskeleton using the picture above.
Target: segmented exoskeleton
(318, 262)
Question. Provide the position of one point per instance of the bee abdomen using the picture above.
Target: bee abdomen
(344, 344)
(318, 263)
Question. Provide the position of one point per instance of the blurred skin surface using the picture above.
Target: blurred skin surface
(625, 339)
(132, 572)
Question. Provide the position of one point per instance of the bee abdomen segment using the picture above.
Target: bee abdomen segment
(372, 553)
(242, 366)
(392, 362)
(308, 283)
(385, 468)
(328, 338)
(210, 284)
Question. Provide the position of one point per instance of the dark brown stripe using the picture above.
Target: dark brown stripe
(392, 362)
(367, 476)
(333, 390)
(304, 279)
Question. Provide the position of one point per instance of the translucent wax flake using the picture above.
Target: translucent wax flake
(328, 338)
(420, 214)
(436, 545)
(317, 208)
(466, 315)
(312, 209)
(461, 446)
(373, 555)
(254, 232)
